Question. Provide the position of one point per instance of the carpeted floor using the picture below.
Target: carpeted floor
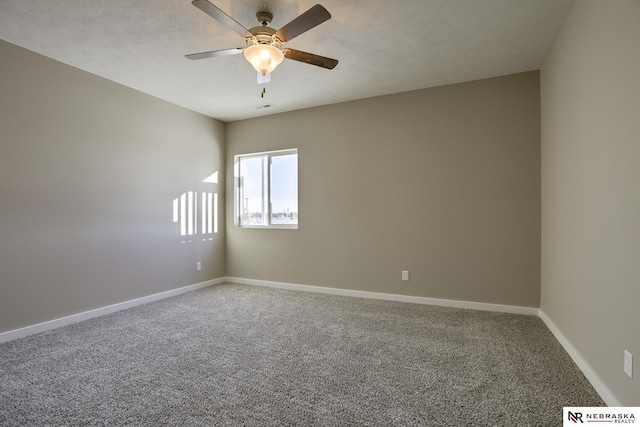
(238, 355)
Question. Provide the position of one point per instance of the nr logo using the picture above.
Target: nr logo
(575, 417)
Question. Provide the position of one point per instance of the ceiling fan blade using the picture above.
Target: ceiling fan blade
(303, 23)
(214, 53)
(310, 58)
(220, 16)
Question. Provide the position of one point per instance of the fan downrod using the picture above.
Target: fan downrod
(264, 18)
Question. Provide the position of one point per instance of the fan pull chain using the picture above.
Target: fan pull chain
(263, 91)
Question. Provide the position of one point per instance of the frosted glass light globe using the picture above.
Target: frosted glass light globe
(264, 57)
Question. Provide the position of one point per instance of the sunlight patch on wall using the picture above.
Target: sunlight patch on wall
(183, 214)
(188, 216)
(192, 220)
(212, 179)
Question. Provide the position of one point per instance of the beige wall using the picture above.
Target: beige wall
(590, 89)
(88, 172)
(443, 182)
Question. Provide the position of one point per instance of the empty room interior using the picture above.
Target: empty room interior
(461, 242)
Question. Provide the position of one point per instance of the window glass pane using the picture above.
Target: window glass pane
(252, 185)
(284, 189)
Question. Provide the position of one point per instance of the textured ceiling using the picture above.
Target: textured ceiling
(383, 47)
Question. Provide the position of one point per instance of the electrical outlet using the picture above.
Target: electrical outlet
(198, 266)
(405, 275)
(628, 364)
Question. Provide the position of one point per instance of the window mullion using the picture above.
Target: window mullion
(265, 189)
(269, 190)
(240, 205)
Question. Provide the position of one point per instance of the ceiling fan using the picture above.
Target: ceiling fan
(264, 49)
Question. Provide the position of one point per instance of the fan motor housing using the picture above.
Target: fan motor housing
(263, 35)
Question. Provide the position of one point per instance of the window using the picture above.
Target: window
(266, 189)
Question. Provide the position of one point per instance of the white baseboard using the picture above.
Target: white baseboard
(78, 317)
(595, 381)
(513, 309)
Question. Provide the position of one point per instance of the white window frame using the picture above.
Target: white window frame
(266, 198)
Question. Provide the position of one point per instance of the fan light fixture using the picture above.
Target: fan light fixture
(264, 57)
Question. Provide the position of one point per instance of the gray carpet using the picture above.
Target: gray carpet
(246, 356)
